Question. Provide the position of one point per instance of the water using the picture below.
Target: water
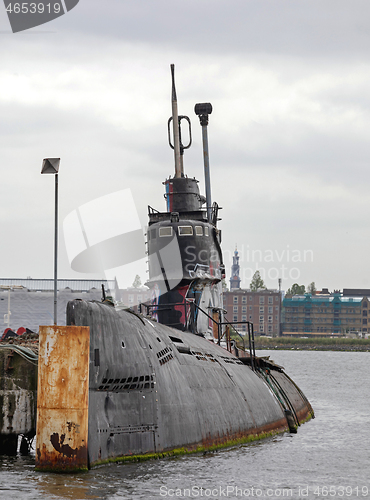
(328, 458)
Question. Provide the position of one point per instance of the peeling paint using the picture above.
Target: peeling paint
(17, 400)
(62, 405)
(49, 347)
(17, 411)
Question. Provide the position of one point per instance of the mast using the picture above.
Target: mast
(185, 257)
(179, 169)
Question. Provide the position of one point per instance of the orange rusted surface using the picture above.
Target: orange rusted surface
(274, 427)
(279, 426)
(214, 324)
(62, 398)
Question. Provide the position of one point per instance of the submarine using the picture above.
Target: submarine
(120, 385)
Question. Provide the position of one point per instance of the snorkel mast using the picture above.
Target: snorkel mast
(203, 110)
(179, 168)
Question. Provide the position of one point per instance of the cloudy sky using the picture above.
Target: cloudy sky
(289, 136)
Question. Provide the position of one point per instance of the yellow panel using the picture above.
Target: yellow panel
(63, 398)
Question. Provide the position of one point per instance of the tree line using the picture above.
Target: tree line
(257, 283)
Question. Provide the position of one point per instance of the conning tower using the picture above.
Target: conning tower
(185, 258)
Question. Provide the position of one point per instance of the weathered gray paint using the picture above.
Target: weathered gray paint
(18, 394)
(202, 398)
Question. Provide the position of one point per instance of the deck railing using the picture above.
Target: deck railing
(221, 332)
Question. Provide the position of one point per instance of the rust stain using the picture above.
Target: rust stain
(62, 402)
(214, 325)
(73, 425)
(59, 445)
(279, 426)
(10, 357)
(46, 460)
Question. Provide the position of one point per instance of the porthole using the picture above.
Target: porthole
(165, 231)
(185, 230)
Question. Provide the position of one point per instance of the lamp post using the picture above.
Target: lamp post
(51, 166)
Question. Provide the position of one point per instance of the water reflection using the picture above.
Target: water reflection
(330, 450)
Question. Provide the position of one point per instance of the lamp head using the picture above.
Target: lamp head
(50, 165)
(203, 110)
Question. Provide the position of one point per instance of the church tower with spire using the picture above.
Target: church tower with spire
(235, 268)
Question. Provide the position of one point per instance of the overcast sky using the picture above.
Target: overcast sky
(289, 136)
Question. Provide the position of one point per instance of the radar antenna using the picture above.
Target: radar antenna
(177, 146)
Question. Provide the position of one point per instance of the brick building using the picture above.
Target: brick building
(132, 296)
(262, 308)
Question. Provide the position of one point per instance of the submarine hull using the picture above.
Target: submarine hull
(153, 389)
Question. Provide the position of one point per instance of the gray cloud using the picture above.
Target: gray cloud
(306, 28)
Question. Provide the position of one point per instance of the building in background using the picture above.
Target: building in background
(235, 271)
(262, 307)
(29, 303)
(132, 296)
(327, 313)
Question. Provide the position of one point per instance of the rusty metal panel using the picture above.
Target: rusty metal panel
(18, 382)
(62, 398)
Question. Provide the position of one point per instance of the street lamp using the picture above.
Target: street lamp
(51, 166)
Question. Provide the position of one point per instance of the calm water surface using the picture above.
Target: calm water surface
(328, 458)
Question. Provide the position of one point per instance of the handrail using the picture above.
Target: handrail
(252, 350)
